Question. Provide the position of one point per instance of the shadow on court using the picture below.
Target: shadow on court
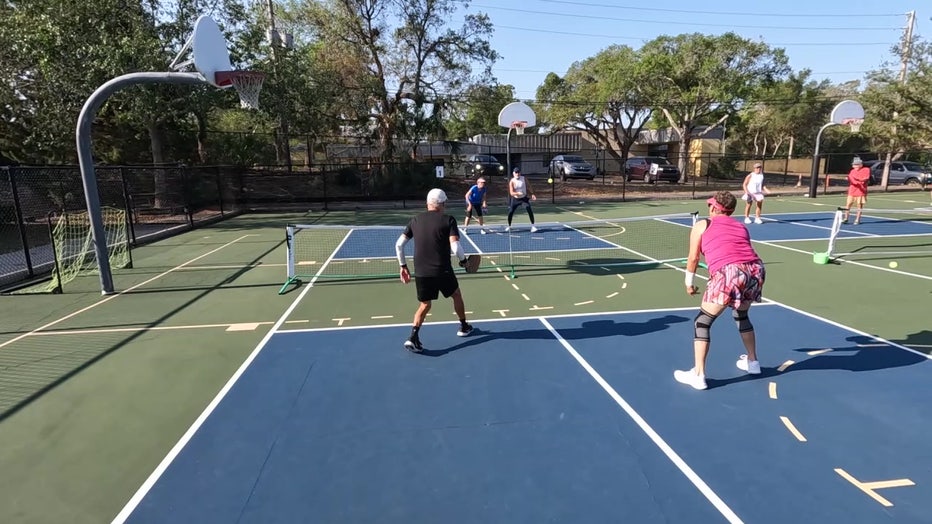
(588, 330)
(865, 354)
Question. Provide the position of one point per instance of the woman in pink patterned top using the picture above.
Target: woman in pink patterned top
(736, 280)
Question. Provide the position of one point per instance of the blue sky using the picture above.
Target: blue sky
(837, 40)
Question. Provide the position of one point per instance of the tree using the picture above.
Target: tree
(607, 95)
(477, 111)
(702, 79)
(399, 61)
(898, 109)
(784, 113)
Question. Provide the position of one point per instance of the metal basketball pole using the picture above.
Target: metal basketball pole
(86, 158)
(814, 175)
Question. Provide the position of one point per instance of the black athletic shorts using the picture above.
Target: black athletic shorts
(429, 288)
(477, 208)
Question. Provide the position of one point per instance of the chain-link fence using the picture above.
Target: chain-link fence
(166, 200)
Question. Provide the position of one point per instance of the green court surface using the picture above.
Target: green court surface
(96, 390)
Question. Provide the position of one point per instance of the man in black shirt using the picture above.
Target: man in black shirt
(435, 235)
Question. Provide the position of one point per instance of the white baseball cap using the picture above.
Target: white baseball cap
(436, 196)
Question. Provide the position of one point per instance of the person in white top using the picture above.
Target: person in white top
(754, 190)
(520, 193)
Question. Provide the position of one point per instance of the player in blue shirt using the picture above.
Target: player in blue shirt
(475, 201)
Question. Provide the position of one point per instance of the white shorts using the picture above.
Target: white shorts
(753, 197)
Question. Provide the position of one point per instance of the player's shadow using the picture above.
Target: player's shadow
(588, 330)
(865, 354)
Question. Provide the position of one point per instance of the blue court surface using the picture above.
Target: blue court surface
(380, 243)
(818, 226)
(559, 419)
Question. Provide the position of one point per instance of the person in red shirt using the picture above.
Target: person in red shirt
(858, 178)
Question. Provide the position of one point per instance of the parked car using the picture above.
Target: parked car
(483, 165)
(638, 168)
(902, 173)
(571, 166)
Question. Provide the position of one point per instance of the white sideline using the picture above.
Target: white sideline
(108, 298)
(649, 431)
(176, 449)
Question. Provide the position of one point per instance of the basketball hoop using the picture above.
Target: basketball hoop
(854, 124)
(248, 84)
(518, 126)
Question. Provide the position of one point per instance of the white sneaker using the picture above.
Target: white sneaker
(482, 230)
(690, 378)
(533, 229)
(758, 221)
(747, 220)
(751, 366)
(507, 229)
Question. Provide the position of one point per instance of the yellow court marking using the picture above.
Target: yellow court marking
(97, 331)
(612, 295)
(789, 425)
(382, 317)
(818, 352)
(620, 276)
(773, 390)
(869, 487)
(501, 311)
(584, 303)
(248, 326)
(340, 321)
(515, 286)
(297, 321)
(624, 285)
(526, 297)
(785, 365)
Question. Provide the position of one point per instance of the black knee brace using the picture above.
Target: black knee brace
(741, 318)
(703, 322)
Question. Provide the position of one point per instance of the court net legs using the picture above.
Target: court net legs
(881, 233)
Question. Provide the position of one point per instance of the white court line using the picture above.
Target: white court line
(108, 298)
(176, 449)
(648, 430)
(465, 234)
(496, 319)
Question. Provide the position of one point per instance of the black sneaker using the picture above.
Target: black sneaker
(413, 345)
(464, 331)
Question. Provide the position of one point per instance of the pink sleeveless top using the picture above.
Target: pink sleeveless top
(726, 241)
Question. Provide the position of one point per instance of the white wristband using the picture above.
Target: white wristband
(689, 278)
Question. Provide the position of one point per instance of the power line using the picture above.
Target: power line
(645, 39)
(728, 13)
(669, 22)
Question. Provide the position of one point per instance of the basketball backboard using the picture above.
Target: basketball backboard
(209, 48)
(847, 110)
(516, 112)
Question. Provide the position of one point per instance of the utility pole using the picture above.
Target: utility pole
(906, 52)
(283, 145)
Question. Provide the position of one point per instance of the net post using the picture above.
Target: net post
(289, 258)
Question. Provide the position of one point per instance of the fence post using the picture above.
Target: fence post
(219, 188)
(185, 197)
(20, 224)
